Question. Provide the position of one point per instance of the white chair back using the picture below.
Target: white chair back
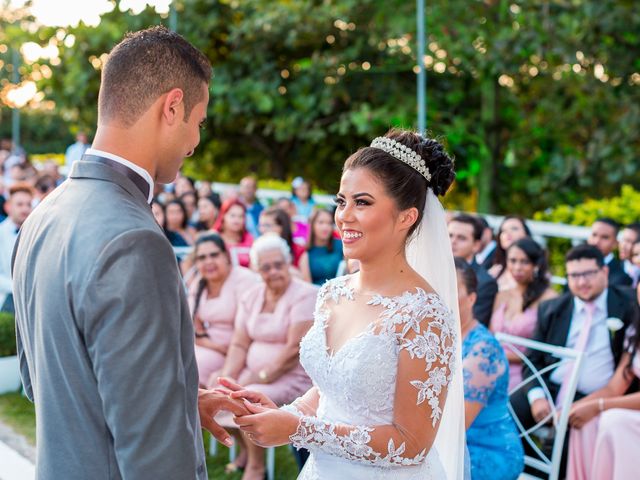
(559, 415)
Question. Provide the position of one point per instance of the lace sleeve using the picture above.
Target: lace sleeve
(307, 404)
(426, 351)
(483, 365)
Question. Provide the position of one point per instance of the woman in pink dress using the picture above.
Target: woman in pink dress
(605, 426)
(512, 229)
(213, 301)
(231, 225)
(515, 311)
(272, 318)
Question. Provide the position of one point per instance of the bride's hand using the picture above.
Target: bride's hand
(267, 427)
(237, 391)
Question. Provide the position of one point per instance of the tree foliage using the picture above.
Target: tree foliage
(538, 100)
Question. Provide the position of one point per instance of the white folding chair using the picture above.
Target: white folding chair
(270, 460)
(549, 467)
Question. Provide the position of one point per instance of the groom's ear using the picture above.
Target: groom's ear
(173, 106)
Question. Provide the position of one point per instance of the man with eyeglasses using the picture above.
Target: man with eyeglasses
(578, 320)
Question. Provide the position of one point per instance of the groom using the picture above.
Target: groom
(105, 339)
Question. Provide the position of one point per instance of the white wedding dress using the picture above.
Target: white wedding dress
(381, 392)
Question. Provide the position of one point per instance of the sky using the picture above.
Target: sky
(63, 13)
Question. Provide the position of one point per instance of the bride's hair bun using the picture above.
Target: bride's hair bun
(439, 163)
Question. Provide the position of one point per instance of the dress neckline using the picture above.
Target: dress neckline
(339, 288)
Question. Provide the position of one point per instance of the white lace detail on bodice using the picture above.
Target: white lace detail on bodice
(358, 383)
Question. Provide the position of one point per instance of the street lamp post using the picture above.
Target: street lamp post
(173, 17)
(422, 73)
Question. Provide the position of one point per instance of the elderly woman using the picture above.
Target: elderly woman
(494, 446)
(272, 318)
(213, 300)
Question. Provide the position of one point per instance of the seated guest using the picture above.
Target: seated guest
(605, 425)
(176, 224)
(515, 310)
(271, 320)
(487, 253)
(213, 299)
(578, 320)
(160, 214)
(324, 253)
(18, 208)
(299, 226)
(465, 233)
(247, 194)
(231, 225)
(628, 236)
(276, 220)
(190, 201)
(511, 229)
(302, 199)
(494, 445)
(604, 236)
(207, 214)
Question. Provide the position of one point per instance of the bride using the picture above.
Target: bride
(384, 349)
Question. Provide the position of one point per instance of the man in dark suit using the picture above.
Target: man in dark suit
(604, 236)
(487, 253)
(590, 301)
(465, 233)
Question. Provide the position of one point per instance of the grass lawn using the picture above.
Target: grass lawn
(17, 412)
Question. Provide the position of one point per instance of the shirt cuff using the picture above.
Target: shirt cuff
(535, 394)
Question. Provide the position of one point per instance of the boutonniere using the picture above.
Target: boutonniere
(614, 324)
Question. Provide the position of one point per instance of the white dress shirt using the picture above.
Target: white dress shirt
(8, 235)
(598, 364)
(633, 271)
(136, 168)
(486, 251)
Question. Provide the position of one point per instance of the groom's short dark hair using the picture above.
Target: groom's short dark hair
(145, 65)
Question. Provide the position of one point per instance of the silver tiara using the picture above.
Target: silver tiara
(403, 153)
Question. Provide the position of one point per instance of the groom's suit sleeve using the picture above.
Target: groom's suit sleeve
(130, 316)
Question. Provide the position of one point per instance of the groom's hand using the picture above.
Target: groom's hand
(210, 402)
(239, 392)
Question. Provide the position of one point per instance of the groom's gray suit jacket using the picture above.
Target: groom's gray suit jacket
(105, 339)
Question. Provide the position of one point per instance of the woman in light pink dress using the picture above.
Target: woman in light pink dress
(605, 426)
(272, 318)
(515, 311)
(213, 301)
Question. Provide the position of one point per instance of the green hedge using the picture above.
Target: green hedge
(624, 208)
(7, 334)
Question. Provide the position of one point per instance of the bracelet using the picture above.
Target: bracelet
(201, 334)
(601, 404)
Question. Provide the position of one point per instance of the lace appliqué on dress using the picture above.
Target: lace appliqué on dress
(409, 311)
(354, 446)
(416, 322)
